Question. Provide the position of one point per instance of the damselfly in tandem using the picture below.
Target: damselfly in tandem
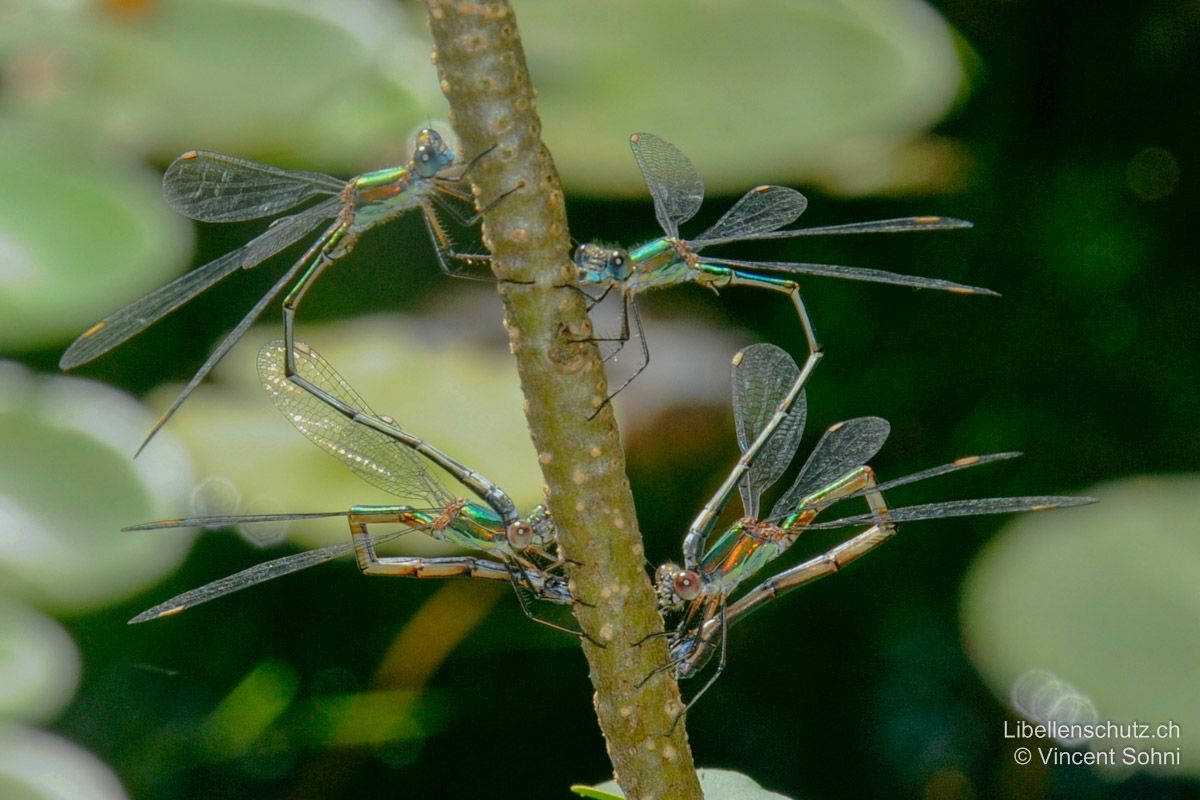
(520, 550)
(699, 591)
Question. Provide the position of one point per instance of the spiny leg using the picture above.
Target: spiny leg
(450, 261)
(519, 588)
(470, 166)
(442, 244)
(467, 220)
(631, 309)
(724, 625)
(652, 635)
(621, 338)
(671, 663)
(591, 300)
(703, 607)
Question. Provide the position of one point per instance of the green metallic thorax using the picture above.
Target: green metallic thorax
(749, 545)
(740, 552)
(656, 264)
(478, 527)
(667, 262)
(384, 194)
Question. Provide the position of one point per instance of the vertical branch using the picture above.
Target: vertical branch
(481, 66)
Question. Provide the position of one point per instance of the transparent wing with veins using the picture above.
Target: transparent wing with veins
(933, 472)
(761, 379)
(865, 274)
(213, 187)
(959, 508)
(673, 182)
(259, 573)
(843, 448)
(759, 212)
(376, 458)
(776, 205)
(145, 311)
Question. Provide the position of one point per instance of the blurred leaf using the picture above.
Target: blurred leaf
(1103, 597)
(718, 784)
(86, 232)
(840, 89)
(40, 766)
(39, 664)
(67, 485)
(249, 709)
(595, 794)
(319, 78)
(825, 87)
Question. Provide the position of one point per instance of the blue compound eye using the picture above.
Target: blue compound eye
(618, 265)
(431, 155)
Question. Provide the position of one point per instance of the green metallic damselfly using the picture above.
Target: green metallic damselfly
(211, 187)
(678, 192)
(519, 550)
(836, 470)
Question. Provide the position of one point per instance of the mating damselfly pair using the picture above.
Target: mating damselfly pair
(698, 596)
(695, 597)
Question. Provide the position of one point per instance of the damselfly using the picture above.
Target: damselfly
(212, 187)
(835, 471)
(521, 550)
(678, 192)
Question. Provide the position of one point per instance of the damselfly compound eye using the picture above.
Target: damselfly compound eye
(520, 535)
(687, 584)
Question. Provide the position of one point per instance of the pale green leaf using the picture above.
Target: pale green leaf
(68, 484)
(39, 664)
(757, 91)
(718, 784)
(1104, 600)
(35, 765)
(82, 231)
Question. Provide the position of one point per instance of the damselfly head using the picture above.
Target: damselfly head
(431, 154)
(598, 263)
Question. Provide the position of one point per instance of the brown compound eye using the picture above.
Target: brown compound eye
(520, 535)
(687, 584)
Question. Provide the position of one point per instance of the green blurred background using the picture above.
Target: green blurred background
(1066, 134)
